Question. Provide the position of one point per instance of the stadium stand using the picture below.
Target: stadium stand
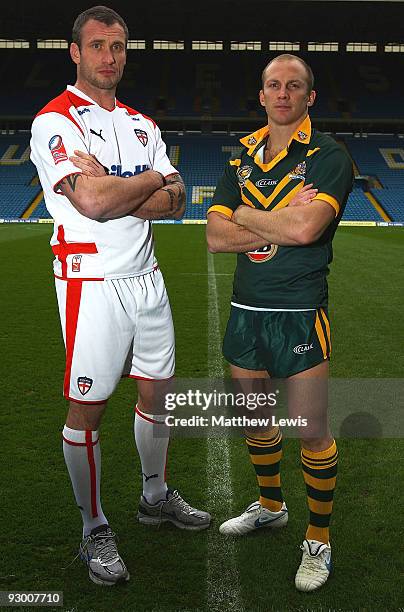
(14, 199)
(382, 158)
(20, 174)
(201, 159)
(41, 211)
(218, 91)
(18, 187)
(349, 85)
(359, 208)
(392, 201)
(379, 156)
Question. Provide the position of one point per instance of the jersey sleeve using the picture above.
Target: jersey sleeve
(332, 174)
(161, 163)
(227, 196)
(53, 140)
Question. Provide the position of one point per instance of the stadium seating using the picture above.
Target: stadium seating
(382, 157)
(16, 176)
(359, 208)
(15, 199)
(41, 211)
(392, 201)
(354, 85)
(379, 156)
(200, 159)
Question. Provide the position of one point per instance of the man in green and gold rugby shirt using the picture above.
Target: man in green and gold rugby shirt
(278, 205)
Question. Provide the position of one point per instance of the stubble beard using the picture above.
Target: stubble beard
(106, 83)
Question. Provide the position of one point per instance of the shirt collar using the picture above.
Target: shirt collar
(82, 95)
(302, 134)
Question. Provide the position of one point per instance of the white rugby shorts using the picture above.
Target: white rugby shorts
(114, 328)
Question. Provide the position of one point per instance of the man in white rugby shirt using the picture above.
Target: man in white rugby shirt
(113, 305)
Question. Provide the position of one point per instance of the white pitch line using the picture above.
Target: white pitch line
(223, 589)
(205, 273)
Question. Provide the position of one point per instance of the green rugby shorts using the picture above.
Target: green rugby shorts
(281, 342)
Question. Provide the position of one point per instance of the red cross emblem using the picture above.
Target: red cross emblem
(63, 249)
(142, 135)
(84, 384)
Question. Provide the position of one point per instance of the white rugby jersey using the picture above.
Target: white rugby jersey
(124, 141)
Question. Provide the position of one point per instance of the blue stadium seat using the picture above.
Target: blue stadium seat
(359, 208)
(392, 201)
(383, 158)
(15, 199)
(370, 154)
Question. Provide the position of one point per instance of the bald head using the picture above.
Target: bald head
(288, 57)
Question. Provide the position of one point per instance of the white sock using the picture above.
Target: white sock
(152, 436)
(82, 454)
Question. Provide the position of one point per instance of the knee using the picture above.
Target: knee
(85, 416)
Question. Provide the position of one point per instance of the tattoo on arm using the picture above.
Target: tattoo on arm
(177, 199)
(177, 196)
(174, 178)
(70, 180)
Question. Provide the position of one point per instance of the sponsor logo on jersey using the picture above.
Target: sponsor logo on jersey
(142, 135)
(302, 135)
(116, 170)
(76, 263)
(302, 348)
(243, 173)
(299, 172)
(266, 183)
(57, 148)
(85, 110)
(97, 134)
(84, 384)
(263, 254)
(252, 140)
(132, 116)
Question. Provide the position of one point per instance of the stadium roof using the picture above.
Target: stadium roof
(243, 20)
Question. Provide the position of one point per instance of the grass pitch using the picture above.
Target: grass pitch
(40, 524)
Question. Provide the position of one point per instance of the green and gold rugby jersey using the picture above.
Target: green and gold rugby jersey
(285, 277)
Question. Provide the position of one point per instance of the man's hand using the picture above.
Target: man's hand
(304, 196)
(238, 215)
(88, 164)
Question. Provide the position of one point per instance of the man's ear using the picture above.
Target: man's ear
(311, 98)
(261, 97)
(75, 53)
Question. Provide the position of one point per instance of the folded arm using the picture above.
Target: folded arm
(109, 197)
(290, 226)
(225, 236)
(251, 229)
(162, 202)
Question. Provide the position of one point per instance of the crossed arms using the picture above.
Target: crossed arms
(98, 196)
(300, 223)
(149, 196)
